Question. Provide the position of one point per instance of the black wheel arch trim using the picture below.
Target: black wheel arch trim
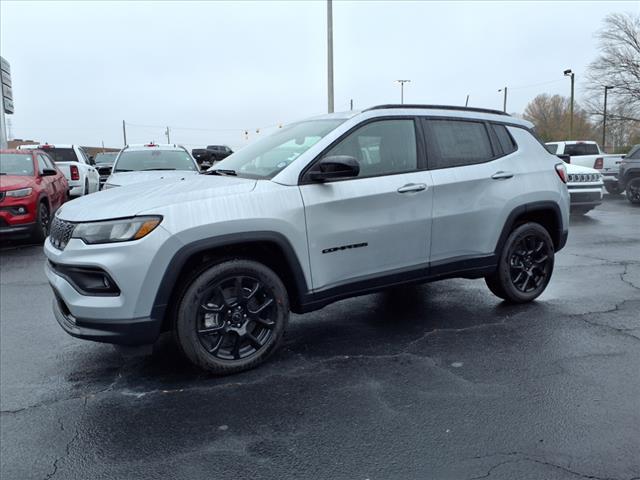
(188, 251)
(559, 236)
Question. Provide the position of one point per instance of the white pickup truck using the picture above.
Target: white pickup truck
(589, 154)
(76, 166)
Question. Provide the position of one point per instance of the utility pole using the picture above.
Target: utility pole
(402, 82)
(504, 102)
(466, 103)
(604, 118)
(351, 104)
(330, 55)
(124, 133)
(569, 73)
(166, 132)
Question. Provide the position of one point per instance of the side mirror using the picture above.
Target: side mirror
(564, 158)
(49, 172)
(335, 167)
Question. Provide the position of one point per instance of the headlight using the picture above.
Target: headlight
(116, 230)
(109, 185)
(23, 192)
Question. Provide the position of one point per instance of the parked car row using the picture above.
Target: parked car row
(609, 167)
(206, 157)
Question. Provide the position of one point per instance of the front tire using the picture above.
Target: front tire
(633, 190)
(613, 188)
(525, 265)
(232, 316)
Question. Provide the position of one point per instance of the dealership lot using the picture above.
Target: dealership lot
(439, 381)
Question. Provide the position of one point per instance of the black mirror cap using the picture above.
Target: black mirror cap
(49, 172)
(335, 167)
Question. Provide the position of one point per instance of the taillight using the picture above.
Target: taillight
(75, 174)
(561, 170)
(599, 163)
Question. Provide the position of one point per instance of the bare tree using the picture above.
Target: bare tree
(618, 64)
(550, 115)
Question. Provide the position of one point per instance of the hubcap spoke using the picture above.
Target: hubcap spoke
(261, 307)
(216, 346)
(210, 330)
(212, 308)
(255, 343)
(235, 351)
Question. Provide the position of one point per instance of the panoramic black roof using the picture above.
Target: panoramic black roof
(437, 107)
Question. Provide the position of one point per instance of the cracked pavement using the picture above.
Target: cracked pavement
(440, 381)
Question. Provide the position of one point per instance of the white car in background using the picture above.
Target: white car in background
(589, 154)
(74, 163)
(585, 188)
(149, 162)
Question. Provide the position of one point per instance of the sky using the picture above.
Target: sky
(210, 70)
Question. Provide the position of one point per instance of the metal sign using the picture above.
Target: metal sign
(7, 92)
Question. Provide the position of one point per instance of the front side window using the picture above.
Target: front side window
(154, 159)
(383, 147)
(20, 164)
(454, 143)
(42, 164)
(268, 156)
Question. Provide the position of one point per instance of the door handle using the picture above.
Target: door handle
(412, 188)
(500, 175)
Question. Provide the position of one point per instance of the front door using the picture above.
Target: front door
(377, 223)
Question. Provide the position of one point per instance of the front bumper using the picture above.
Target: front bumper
(10, 232)
(133, 332)
(585, 195)
(136, 267)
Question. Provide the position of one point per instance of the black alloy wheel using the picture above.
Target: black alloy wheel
(529, 263)
(237, 319)
(633, 190)
(232, 316)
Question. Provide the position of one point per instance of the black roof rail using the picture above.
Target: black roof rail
(437, 107)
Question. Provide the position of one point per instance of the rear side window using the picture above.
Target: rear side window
(62, 154)
(578, 149)
(454, 143)
(551, 148)
(506, 142)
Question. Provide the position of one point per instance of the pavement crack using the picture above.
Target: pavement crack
(69, 445)
(628, 282)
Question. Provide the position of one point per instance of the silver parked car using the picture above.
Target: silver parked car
(324, 209)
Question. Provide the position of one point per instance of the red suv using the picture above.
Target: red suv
(31, 190)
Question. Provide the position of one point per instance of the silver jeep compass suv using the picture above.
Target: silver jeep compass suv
(324, 209)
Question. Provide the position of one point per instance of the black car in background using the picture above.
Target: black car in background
(103, 163)
(629, 175)
(213, 153)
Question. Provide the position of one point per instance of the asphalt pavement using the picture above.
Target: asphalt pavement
(441, 381)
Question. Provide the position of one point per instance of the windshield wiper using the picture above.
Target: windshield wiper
(153, 169)
(122, 170)
(220, 171)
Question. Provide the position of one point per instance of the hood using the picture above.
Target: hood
(129, 178)
(571, 168)
(119, 202)
(14, 182)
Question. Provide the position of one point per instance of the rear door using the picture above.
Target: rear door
(474, 181)
(377, 223)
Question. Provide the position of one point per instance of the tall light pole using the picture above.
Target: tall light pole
(402, 82)
(330, 55)
(604, 117)
(504, 102)
(569, 73)
(166, 132)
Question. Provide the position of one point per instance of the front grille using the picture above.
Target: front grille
(583, 177)
(104, 170)
(583, 197)
(3, 223)
(60, 233)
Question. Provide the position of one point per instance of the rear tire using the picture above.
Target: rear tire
(232, 316)
(525, 265)
(633, 190)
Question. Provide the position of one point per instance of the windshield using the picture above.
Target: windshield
(61, 154)
(139, 160)
(16, 164)
(268, 156)
(578, 149)
(106, 157)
